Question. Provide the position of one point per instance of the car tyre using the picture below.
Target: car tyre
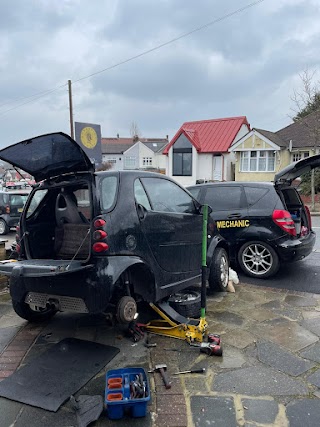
(25, 311)
(126, 310)
(219, 271)
(4, 229)
(258, 259)
(187, 303)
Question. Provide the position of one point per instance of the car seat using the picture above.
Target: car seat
(66, 210)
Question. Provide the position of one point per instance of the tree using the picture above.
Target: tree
(307, 102)
(105, 166)
(134, 131)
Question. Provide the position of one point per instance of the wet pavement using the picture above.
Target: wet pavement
(269, 374)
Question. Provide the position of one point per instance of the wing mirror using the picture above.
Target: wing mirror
(201, 209)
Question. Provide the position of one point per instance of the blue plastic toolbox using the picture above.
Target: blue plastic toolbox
(123, 394)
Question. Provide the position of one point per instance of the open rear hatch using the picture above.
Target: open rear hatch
(295, 170)
(47, 156)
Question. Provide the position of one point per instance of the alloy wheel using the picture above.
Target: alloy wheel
(257, 259)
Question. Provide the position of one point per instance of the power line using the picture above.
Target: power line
(132, 58)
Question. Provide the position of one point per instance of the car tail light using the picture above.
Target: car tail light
(309, 217)
(284, 220)
(99, 223)
(99, 235)
(100, 247)
(7, 209)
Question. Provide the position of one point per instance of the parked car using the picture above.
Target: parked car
(265, 224)
(11, 206)
(96, 242)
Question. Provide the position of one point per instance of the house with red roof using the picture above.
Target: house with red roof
(199, 150)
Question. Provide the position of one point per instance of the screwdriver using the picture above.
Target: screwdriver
(192, 371)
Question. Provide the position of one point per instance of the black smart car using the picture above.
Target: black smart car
(264, 223)
(98, 242)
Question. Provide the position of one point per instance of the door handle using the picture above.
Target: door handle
(234, 215)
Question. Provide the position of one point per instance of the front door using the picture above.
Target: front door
(217, 168)
(171, 224)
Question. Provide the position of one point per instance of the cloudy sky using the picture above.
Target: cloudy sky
(243, 63)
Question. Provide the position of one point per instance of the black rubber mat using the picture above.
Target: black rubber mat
(50, 379)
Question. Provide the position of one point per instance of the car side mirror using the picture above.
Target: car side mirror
(201, 209)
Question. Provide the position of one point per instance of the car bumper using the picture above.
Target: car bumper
(295, 250)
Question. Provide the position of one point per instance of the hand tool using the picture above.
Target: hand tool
(162, 368)
(192, 371)
(210, 348)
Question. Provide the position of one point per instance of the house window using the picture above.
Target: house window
(182, 157)
(147, 161)
(112, 160)
(299, 155)
(257, 161)
(130, 162)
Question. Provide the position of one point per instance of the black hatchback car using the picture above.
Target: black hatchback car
(264, 224)
(98, 242)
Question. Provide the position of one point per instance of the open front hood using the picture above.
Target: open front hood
(293, 171)
(47, 155)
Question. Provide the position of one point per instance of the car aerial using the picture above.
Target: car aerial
(265, 224)
(11, 206)
(98, 242)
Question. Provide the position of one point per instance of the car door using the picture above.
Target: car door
(229, 209)
(171, 224)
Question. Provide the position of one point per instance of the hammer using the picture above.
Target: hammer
(162, 369)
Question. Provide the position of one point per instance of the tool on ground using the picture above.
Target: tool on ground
(210, 348)
(162, 369)
(136, 331)
(192, 371)
(148, 344)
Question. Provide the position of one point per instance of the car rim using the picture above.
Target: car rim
(224, 271)
(2, 227)
(257, 259)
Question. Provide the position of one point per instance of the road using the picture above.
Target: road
(301, 276)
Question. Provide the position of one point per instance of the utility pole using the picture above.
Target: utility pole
(70, 109)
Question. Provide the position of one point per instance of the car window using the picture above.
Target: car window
(166, 196)
(35, 201)
(222, 198)
(109, 186)
(255, 194)
(83, 202)
(195, 191)
(140, 195)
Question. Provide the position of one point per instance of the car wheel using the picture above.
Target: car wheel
(4, 229)
(258, 259)
(126, 310)
(34, 316)
(219, 271)
(187, 303)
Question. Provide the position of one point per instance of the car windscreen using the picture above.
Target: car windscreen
(18, 199)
